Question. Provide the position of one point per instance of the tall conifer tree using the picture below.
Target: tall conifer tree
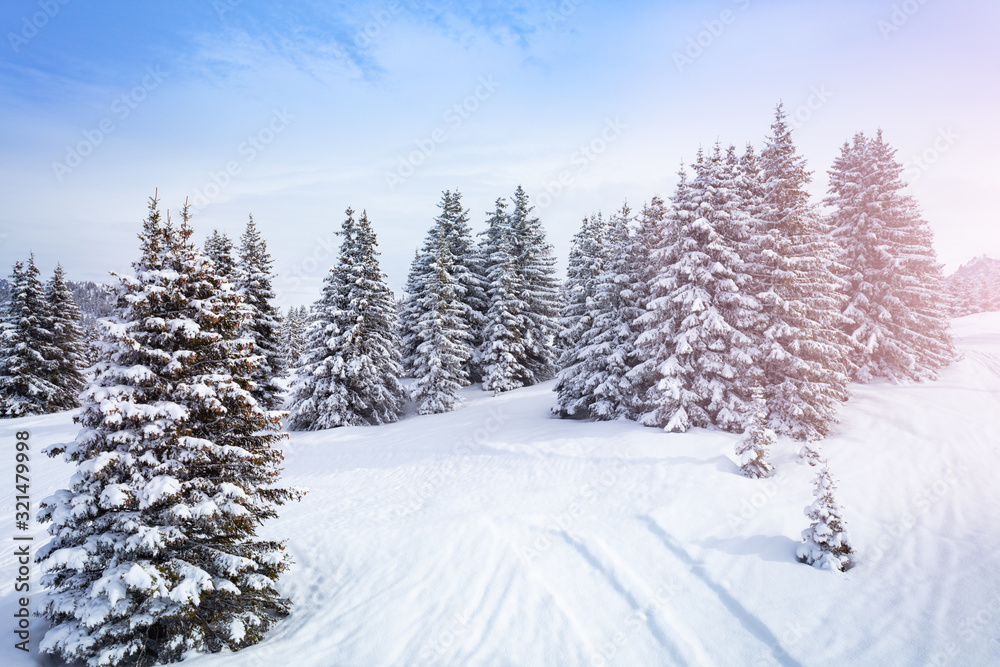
(154, 550)
(352, 360)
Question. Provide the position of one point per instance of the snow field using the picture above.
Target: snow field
(497, 535)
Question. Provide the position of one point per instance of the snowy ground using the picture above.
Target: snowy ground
(495, 535)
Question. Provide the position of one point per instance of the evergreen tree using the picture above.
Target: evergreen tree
(610, 351)
(352, 363)
(825, 543)
(657, 325)
(503, 353)
(535, 264)
(67, 337)
(91, 341)
(754, 450)
(253, 284)
(586, 259)
(293, 330)
(219, 249)
(897, 310)
(651, 242)
(409, 312)
(452, 233)
(440, 367)
(154, 550)
(804, 354)
(29, 358)
(703, 381)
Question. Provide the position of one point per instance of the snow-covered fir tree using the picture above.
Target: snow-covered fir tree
(975, 287)
(754, 450)
(535, 263)
(91, 341)
(897, 308)
(825, 543)
(503, 351)
(253, 283)
(586, 260)
(154, 551)
(293, 335)
(804, 353)
(29, 358)
(219, 248)
(451, 231)
(710, 352)
(443, 351)
(351, 370)
(610, 348)
(409, 311)
(67, 337)
(651, 243)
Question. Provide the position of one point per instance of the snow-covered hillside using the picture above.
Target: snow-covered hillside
(496, 535)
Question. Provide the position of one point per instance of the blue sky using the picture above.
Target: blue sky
(295, 111)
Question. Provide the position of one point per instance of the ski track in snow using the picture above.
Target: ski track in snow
(496, 535)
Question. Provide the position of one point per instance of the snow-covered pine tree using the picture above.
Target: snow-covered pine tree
(825, 543)
(92, 337)
(409, 311)
(586, 260)
(754, 450)
(467, 270)
(443, 351)
(29, 358)
(253, 284)
(219, 248)
(67, 337)
(503, 351)
(897, 308)
(154, 550)
(540, 290)
(610, 353)
(451, 231)
(293, 329)
(703, 381)
(352, 363)
(586, 257)
(804, 354)
(651, 237)
(657, 325)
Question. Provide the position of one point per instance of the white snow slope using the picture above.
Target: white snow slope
(496, 535)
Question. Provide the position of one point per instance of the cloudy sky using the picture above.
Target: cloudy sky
(295, 111)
